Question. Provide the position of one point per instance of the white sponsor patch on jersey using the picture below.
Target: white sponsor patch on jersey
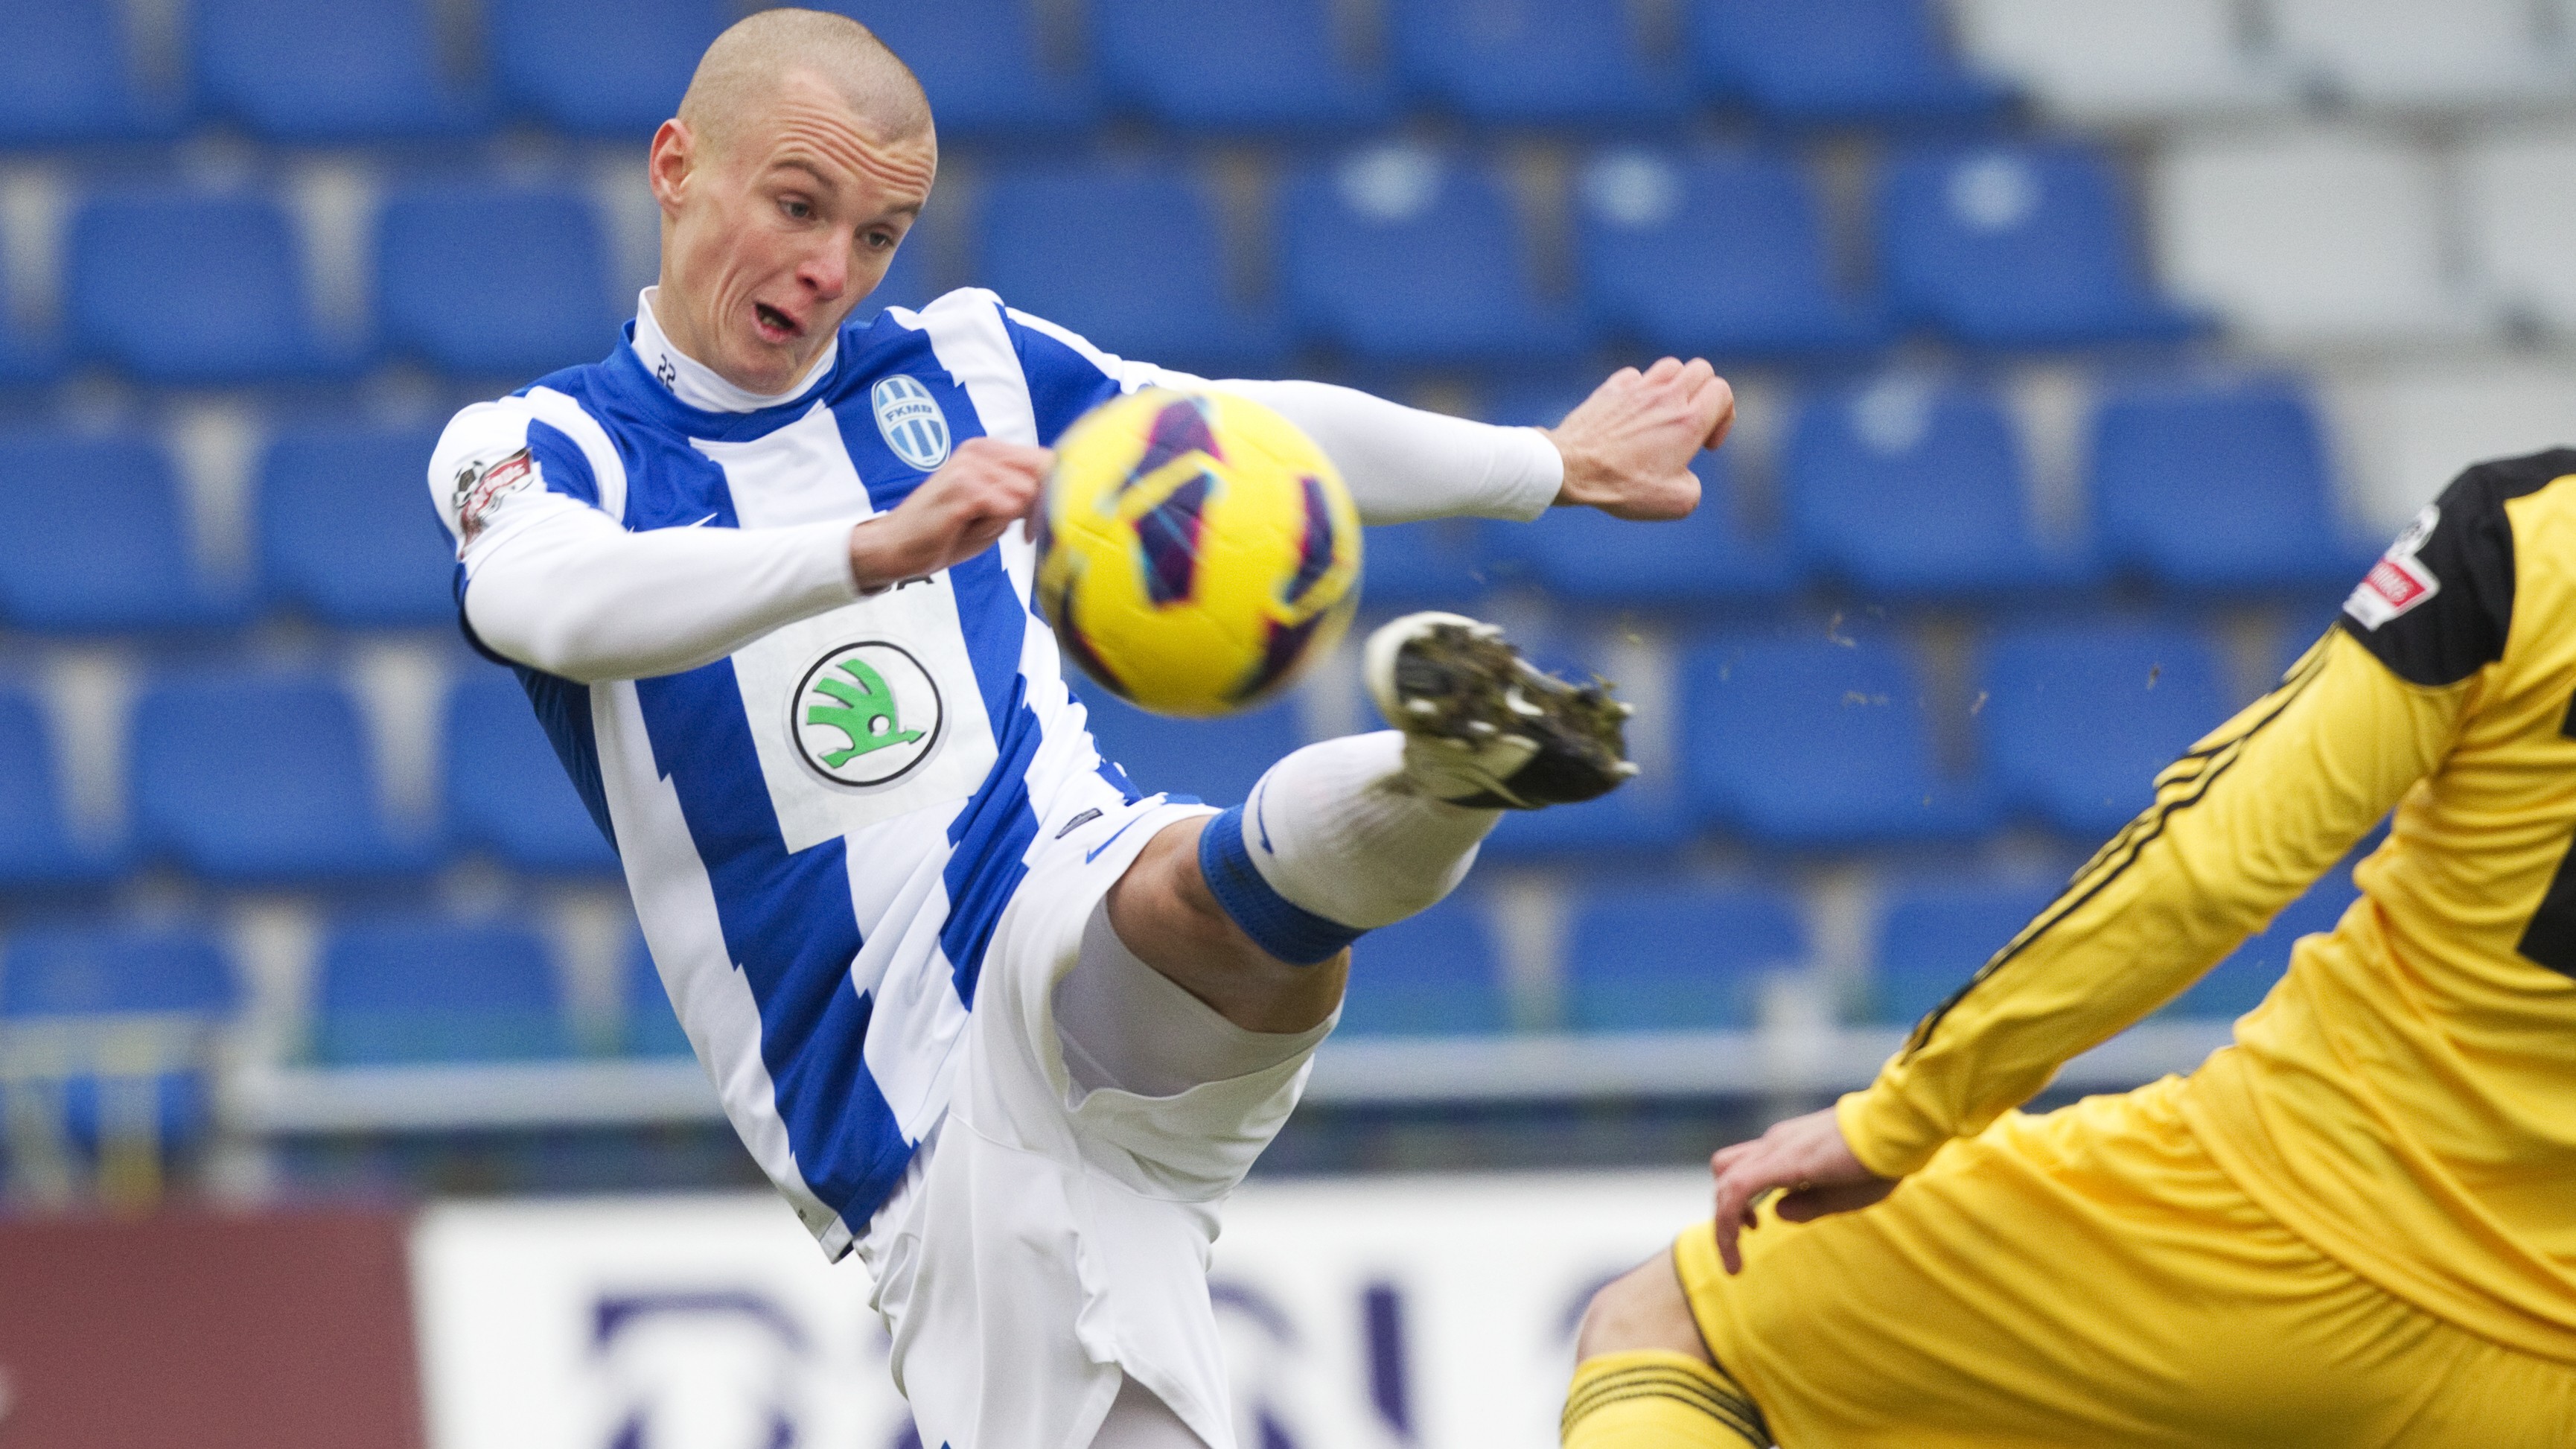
(2399, 581)
(909, 420)
(866, 713)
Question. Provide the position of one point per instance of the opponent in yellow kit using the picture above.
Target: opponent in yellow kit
(2354, 1227)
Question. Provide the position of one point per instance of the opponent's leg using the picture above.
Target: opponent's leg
(1354, 833)
(1645, 1380)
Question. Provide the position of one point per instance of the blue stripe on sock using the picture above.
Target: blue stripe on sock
(1275, 923)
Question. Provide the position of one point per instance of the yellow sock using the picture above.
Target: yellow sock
(1658, 1399)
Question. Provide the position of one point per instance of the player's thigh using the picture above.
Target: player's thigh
(2084, 1278)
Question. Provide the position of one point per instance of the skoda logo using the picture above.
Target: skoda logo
(909, 420)
(865, 714)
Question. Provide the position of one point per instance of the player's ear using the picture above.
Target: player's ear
(669, 164)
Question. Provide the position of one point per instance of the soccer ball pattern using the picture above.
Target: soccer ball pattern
(1195, 550)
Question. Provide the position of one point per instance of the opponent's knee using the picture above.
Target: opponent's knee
(1643, 1308)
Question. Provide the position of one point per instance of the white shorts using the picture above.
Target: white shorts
(1049, 1239)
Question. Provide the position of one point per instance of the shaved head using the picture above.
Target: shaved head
(741, 75)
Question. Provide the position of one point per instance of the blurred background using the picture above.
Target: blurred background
(2087, 350)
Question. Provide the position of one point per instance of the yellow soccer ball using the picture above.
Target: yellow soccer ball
(1195, 550)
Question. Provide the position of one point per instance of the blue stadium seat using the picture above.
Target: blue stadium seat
(116, 553)
(68, 975)
(2219, 488)
(259, 778)
(2018, 246)
(601, 67)
(446, 293)
(398, 989)
(1436, 563)
(24, 357)
(1218, 65)
(1435, 974)
(1215, 759)
(1399, 256)
(1905, 491)
(37, 849)
(506, 788)
(981, 64)
(1643, 818)
(131, 254)
(1835, 62)
(1722, 255)
(1819, 744)
(347, 531)
(1676, 958)
(329, 70)
(2079, 717)
(1531, 62)
(651, 1028)
(1130, 258)
(1933, 937)
(2238, 984)
(1584, 556)
(65, 78)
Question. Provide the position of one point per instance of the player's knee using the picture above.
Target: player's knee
(1644, 1308)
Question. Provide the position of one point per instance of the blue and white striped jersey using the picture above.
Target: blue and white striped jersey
(822, 827)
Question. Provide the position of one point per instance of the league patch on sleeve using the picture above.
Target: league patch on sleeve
(2399, 582)
(480, 488)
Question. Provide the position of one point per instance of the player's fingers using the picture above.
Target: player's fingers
(1696, 374)
(1664, 370)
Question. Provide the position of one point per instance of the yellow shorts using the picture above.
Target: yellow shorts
(2089, 1278)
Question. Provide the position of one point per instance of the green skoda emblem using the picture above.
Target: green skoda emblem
(865, 714)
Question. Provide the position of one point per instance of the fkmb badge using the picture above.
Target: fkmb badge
(909, 420)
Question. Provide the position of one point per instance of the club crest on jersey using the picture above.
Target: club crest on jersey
(480, 487)
(2399, 581)
(865, 714)
(909, 420)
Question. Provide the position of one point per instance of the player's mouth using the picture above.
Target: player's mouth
(775, 325)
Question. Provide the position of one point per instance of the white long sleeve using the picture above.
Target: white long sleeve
(1403, 463)
(574, 595)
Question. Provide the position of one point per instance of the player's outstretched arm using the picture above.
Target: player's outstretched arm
(1628, 448)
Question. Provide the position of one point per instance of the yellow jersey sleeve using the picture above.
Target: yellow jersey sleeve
(2240, 826)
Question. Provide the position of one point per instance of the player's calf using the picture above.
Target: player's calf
(1645, 1380)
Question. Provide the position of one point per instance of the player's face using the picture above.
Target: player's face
(768, 244)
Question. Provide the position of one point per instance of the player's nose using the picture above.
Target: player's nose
(826, 269)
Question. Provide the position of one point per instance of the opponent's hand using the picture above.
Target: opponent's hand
(1805, 1155)
(986, 486)
(1628, 448)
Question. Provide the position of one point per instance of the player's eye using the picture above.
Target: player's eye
(797, 208)
(882, 241)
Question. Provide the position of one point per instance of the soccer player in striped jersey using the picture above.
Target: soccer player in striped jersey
(2354, 1227)
(990, 1018)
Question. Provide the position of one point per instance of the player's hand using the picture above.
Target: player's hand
(1628, 448)
(986, 486)
(1804, 1156)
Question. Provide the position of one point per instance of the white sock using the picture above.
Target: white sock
(1335, 840)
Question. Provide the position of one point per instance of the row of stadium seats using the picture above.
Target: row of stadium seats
(323, 71)
(1813, 740)
(1896, 492)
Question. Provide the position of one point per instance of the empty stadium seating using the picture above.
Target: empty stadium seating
(1672, 958)
(1835, 62)
(1435, 974)
(1708, 560)
(405, 989)
(1903, 490)
(179, 287)
(497, 283)
(1933, 935)
(2456, 55)
(367, 70)
(1130, 258)
(1402, 256)
(1216, 66)
(119, 553)
(66, 77)
(2016, 246)
(76, 978)
(1723, 255)
(2079, 717)
(2219, 487)
(1532, 62)
(2520, 189)
(983, 65)
(599, 67)
(1819, 742)
(507, 792)
(1216, 760)
(259, 779)
(1439, 562)
(37, 848)
(2129, 61)
(348, 532)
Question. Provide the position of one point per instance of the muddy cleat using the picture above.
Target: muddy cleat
(1485, 727)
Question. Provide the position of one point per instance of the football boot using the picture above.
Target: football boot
(1484, 727)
